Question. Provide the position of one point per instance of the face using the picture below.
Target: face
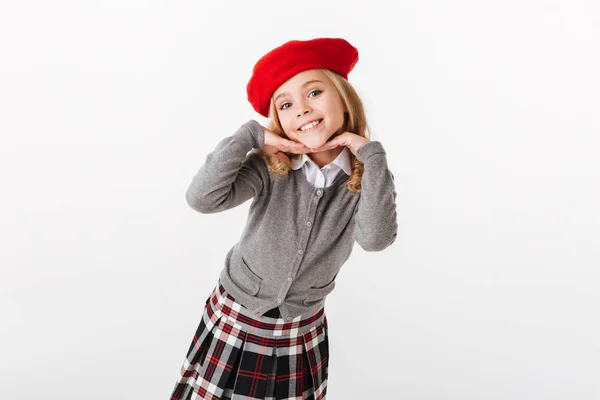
(304, 99)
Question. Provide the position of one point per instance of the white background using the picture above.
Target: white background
(488, 112)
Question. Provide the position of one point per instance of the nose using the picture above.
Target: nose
(303, 108)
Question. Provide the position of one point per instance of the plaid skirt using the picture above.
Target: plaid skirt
(236, 355)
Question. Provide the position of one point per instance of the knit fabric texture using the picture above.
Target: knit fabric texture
(297, 236)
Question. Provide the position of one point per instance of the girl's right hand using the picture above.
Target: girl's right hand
(276, 145)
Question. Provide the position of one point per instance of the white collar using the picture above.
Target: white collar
(342, 161)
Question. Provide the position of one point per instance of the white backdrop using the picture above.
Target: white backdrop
(489, 115)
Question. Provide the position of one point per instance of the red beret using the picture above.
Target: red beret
(295, 56)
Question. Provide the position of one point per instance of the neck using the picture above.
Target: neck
(323, 158)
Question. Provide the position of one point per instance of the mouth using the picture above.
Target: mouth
(310, 125)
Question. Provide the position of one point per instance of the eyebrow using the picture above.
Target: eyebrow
(303, 85)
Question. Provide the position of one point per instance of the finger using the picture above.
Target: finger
(320, 149)
(302, 150)
(293, 145)
(296, 147)
(282, 156)
(270, 149)
(329, 145)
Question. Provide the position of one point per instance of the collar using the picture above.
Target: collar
(342, 161)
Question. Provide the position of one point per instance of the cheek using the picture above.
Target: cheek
(285, 124)
(340, 112)
(287, 128)
(337, 115)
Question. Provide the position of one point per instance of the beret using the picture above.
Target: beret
(285, 61)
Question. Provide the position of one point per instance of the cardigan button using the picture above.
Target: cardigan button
(289, 318)
(319, 192)
(309, 223)
(300, 251)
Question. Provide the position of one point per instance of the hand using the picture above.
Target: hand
(276, 145)
(351, 140)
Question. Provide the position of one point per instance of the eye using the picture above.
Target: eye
(317, 91)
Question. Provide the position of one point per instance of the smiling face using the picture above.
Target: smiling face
(309, 108)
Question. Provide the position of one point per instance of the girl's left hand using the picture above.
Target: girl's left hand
(351, 140)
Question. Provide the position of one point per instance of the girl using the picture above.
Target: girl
(317, 184)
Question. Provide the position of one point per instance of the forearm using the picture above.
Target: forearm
(376, 219)
(224, 180)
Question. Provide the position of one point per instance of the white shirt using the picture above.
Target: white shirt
(323, 177)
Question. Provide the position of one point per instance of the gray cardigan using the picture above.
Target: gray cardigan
(297, 237)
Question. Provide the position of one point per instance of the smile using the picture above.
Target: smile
(310, 125)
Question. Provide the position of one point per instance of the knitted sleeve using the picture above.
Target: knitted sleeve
(232, 173)
(375, 217)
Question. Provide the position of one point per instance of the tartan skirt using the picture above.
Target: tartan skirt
(237, 355)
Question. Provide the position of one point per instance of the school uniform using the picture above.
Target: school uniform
(264, 333)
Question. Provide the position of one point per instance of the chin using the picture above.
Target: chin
(313, 144)
(314, 141)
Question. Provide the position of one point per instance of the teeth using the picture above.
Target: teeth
(308, 126)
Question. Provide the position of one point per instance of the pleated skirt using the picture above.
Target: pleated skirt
(236, 355)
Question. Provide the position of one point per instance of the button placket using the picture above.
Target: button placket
(311, 215)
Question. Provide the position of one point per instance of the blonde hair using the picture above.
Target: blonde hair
(355, 121)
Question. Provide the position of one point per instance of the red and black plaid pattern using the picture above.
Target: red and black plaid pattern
(236, 355)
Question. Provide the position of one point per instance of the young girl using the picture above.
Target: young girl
(317, 185)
